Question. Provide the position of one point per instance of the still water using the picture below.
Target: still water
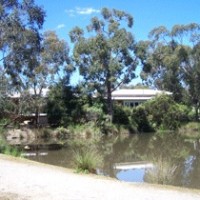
(163, 159)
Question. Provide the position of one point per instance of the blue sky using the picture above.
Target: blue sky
(63, 15)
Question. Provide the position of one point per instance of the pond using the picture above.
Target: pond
(163, 159)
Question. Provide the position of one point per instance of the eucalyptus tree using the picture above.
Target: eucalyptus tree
(20, 22)
(166, 55)
(191, 70)
(5, 89)
(105, 53)
(170, 60)
(53, 63)
(160, 61)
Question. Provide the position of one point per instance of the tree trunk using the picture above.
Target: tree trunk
(109, 96)
(197, 113)
(37, 116)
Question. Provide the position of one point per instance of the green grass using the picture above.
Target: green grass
(87, 160)
(5, 148)
(88, 129)
(190, 130)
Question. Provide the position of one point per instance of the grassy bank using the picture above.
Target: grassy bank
(190, 130)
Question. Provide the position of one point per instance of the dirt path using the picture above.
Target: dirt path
(26, 180)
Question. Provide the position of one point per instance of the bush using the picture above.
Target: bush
(122, 119)
(165, 113)
(121, 115)
(98, 120)
(93, 113)
(87, 129)
(157, 108)
(63, 106)
(62, 133)
(7, 149)
(140, 116)
(87, 159)
(44, 133)
(190, 130)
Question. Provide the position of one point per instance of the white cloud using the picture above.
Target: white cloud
(70, 12)
(60, 26)
(81, 11)
(86, 11)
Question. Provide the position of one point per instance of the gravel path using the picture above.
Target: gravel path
(26, 180)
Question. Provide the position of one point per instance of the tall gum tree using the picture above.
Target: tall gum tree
(170, 60)
(20, 23)
(53, 63)
(105, 54)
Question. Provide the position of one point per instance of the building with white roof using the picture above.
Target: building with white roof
(17, 95)
(134, 97)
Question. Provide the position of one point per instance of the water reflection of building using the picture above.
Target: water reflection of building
(132, 165)
(132, 171)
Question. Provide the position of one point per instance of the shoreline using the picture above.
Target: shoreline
(27, 180)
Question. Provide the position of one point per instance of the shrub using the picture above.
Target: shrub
(158, 108)
(87, 159)
(121, 115)
(7, 149)
(62, 132)
(44, 133)
(165, 113)
(123, 121)
(94, 112)
(87, 129)
(190, 130)
(140, 116)
(98, 120)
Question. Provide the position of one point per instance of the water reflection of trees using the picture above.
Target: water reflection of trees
(168, 153)
(192, 167)
(176, 161)
(122, 149)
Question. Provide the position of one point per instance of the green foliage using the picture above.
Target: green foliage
(140, 116)
(61, 105)
(86, 129)
(170, 60)
(190, 130)
(6, 104)
(192, 79)
(5, 148)
(121, 115)
(53, 58)
(93, 113)
(87, 159)
(165, 157)
(13, 151)
(106, 58)
(123, 120)
(67, 107)
(3, 122)
(62, 133)
(44, 133)
(96, 116)
(165, 113)
(20, 38)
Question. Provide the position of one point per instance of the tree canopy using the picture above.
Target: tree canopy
(105, 54)
(20, 22)
(168, 56)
